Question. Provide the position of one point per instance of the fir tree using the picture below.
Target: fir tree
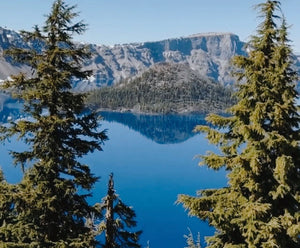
(6, 205)
(191, 242)
(118, 218)
(49, 210)
(259, 145)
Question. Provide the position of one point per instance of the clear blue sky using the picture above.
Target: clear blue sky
(124, 21)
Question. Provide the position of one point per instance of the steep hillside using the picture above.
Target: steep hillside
(164, 88)
(9, 38)
(208, 54)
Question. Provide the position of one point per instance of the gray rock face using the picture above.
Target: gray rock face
(9, 38)
(209, 54)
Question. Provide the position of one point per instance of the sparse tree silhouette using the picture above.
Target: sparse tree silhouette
(118, 220)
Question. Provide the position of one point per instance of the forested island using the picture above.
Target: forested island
(164, 88)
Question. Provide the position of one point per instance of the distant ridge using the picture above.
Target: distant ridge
(209, 34)
(209, 54)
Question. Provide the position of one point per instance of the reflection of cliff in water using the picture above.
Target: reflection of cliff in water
(10, 109)
(163, 129)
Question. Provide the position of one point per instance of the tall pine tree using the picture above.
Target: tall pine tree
(259, 145)
(6, 205)
(118, 219)
(48, 208)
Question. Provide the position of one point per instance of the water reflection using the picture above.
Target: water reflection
(163, 129)
(10, 109)
(148, 175)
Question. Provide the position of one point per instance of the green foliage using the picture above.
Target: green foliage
(6, 206)
(259, 146)
(118, 219)
(191, 242)
(48, 209)
(164, 88)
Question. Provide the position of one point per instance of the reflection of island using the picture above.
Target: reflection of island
(10, 109)
(163, 129)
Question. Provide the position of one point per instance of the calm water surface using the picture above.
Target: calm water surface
(153, 160)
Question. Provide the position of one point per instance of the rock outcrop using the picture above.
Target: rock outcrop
(209, 54)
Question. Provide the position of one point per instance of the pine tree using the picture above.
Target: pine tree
(259, 145)
(6, 205)
(191, 242)
(118, 218)
(48, 208)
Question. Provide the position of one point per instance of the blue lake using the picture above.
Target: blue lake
(153, 160)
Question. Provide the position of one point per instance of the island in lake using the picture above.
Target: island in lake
(165, 88)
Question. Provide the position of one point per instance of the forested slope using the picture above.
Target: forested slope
(164, 88)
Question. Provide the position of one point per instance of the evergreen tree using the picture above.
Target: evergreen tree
(118, 218)
(191, 242)
(259, 145)
(6, 205)
(48, 208)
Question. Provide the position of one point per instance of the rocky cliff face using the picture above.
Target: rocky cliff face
(9, 38)
(209, 54)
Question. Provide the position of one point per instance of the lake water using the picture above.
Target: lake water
(153, 160)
